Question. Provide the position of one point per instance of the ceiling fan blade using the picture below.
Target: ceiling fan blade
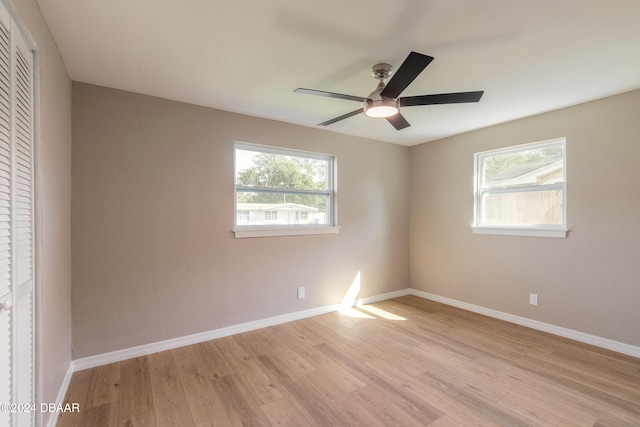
(330, 94)
(398, 121)
(443, 98)
(408, 71)
(342, 117)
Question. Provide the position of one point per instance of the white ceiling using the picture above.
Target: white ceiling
(247, 56)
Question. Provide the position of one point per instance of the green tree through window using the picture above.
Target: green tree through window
(501, 162)
(283, 172)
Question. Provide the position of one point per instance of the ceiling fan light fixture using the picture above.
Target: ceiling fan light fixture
(381, 108)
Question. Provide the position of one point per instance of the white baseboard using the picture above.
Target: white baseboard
(62, 393)
(388, 295)
(146, 349)
(608, 344)
(143, 350)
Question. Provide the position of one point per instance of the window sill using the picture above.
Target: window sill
(522, 231)
(242, 233)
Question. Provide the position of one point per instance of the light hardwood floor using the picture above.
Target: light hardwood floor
(406, 361)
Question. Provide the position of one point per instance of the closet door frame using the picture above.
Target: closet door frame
(25, 281)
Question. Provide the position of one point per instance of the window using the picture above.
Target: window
(522, 190)
(270, 215)
(283, 192)
(242, 217)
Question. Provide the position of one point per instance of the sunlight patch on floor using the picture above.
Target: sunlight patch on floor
(362, 311)
(380, 312)
(352, 312)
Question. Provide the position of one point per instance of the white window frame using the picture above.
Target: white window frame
(266, 230)
(538, 230)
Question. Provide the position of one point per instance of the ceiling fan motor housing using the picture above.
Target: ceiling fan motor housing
(377, 105)
(381, 71)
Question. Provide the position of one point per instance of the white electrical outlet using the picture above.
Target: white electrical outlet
(533, 299)
(301, 292)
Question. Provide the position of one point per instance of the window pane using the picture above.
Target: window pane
(283, 208)
(259, 169)
(528, 167)
(522, 208)
(243, 217)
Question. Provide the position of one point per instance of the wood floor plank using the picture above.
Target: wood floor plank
(593, 358)
(209, 413)
(341, 378)
(135, 396)
(101, 416)
(304, 400)
(296, 364)
(341, 405)
(445, 398)
(404, 362)
(536, 414)
(304, 331)
(232, 352)
(104, 385)
(306, 349)
(255, 343)
(193, 373)
(593, 391)
(169, 400)
(391, 410)
(196, 378)
(213, 359)
(418, 408)
(464, 377)
(240, 407)
(445, 421)
(258, 383)
(535, 388)
(282, 413)
(616, 385)
(147, 419)
(484, 408)
(350, 334)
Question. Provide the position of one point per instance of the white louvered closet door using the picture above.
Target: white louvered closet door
(23, 226)
(6, 288)
(16, 224)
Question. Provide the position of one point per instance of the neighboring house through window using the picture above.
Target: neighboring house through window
(522, 190)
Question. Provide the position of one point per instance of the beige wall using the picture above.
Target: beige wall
(590, 281)
(154, 257)
(153, 253)
(54, 221)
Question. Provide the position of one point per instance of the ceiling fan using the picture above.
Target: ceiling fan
(385, 100)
